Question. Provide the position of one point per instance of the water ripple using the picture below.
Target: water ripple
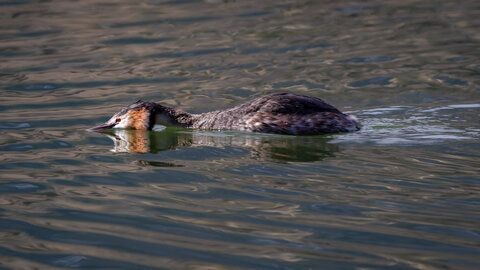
(135, 40)
(91, 84)
(451, 81)
(372, 59)
(176, 21)
(189, 54)
(19, 187)
(10, 125)
(372, 81)
(407, 125)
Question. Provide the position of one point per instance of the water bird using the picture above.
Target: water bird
(280, 113)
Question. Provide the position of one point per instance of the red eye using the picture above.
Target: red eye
(118, 120)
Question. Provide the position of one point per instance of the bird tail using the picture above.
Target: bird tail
(355, 121)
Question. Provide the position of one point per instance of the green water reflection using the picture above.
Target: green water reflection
(259, 146)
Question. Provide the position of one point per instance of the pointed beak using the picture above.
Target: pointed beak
(102, 126)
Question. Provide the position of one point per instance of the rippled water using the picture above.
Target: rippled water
(402, 193)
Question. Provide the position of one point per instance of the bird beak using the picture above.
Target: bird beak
(102, 126)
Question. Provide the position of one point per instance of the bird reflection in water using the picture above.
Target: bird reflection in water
(260, 146)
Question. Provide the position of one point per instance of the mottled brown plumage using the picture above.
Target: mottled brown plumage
(282, 113)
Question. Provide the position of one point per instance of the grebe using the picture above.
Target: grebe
(282, 113)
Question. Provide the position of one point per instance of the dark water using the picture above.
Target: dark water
(403, 193)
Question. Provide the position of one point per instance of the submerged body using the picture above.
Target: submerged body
(282, 113)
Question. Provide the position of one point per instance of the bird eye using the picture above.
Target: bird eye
(118, 120)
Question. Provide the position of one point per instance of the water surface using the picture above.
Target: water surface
(402, 193)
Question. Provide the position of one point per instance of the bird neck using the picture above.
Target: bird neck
(167, 116)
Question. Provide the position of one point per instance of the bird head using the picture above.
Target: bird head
(138, 115)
